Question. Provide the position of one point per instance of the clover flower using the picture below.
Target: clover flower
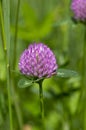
(38, 61)
(79, 9)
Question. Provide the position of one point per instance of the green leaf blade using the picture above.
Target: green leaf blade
(66, 73)
(23, 83)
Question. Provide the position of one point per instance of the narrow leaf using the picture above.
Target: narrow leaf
(65, 73)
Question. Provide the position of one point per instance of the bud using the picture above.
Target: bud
(38, 61)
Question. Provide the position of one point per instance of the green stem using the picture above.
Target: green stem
(2, 31)
(16, 34)
(84, 79)
(14, 67)
(5, 23)
(83, 83)
(9, 95)
(41, 100)
(16, 105)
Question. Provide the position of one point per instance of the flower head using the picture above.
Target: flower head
(38, 61)
(79, 9)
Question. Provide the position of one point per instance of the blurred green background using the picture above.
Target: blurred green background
(49, 22)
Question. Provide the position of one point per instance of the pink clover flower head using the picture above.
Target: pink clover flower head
(79, 9)
(38, 61)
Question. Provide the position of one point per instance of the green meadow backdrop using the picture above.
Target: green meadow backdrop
(49, 22)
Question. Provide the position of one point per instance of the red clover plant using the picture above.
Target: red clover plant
(39, 62)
